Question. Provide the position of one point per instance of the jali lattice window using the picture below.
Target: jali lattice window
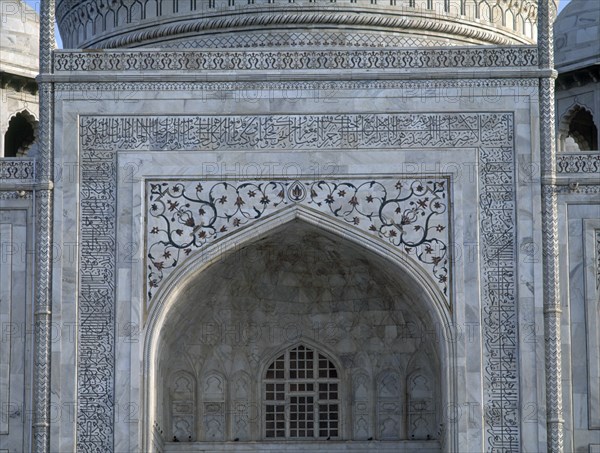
(301, 396)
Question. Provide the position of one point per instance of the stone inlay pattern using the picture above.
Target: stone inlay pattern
(295, 132)
(96, 316)
(102, 137)
(578, 163)
(17, 170)
(260, 60)
(499, 297)
(411, 214)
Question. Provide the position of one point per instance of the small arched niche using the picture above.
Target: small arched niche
(20, 135)
(577, 131)
(302, 328)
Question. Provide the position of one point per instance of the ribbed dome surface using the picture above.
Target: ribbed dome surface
(292, 23)
(577, 35)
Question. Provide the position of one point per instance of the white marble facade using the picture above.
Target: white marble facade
(333, 276)
(310, 245)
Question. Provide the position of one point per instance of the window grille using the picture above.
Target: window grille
(301, 396)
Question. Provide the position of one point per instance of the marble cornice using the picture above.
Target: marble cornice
(18, 82)
(323, 75)
(447, 63)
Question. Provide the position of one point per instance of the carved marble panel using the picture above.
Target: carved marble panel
(421, 395)
(183, 406)
(6, 271)
(390, 406)
(15, 328)
(214, 388)
(243, 414)
(361, 406)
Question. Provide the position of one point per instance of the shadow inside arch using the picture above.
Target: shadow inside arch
(294, 247)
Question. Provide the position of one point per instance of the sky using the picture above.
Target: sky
(36, 4)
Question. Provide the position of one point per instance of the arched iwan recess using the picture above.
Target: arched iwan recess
(297, 279)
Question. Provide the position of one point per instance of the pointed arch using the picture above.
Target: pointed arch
(21, 133)
(577, 129)
(428, 295)
(301, 394)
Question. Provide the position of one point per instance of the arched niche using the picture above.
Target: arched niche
(423, 418)
(297, 277)
(20, 134)
(577, 130)
(182, 405)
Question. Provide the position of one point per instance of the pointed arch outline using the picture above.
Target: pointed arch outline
(33, 121)
(24, 111)
(564, 123)
(302, 340)
(205, 257)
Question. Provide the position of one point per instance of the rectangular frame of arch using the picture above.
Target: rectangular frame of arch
(492, 134)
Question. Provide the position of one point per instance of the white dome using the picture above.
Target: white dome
(577, 35)
(285, 23)
(19, 39)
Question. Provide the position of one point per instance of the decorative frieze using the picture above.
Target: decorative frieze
(299, 60)
(584, 162)
(15, 195)
(296, 132)
(588, 189)
(295, 38)
(17, 170)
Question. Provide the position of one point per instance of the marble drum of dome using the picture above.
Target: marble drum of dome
(284, 23)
